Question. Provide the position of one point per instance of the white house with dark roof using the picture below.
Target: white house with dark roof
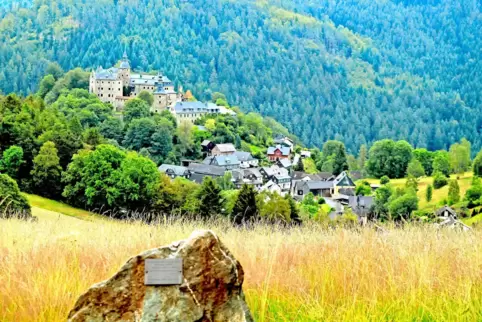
(118, 85)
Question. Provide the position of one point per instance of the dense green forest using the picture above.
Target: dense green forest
(355, 71)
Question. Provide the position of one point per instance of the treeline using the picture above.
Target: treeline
(397, 159)
(408, 70)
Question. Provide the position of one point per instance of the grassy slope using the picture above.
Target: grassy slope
(439, 195)
(338, 275)
(47, 204)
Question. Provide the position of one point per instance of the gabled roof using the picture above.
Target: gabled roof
(206, 143)
(226, 147)
(285, 151)
(343, 180)
(255, 172)
(440, 212)
(222, 160)
(285, 163)
(244, 156)
(319, 185)
(106, 74)
(178, 170)
(190, 107)
(206, 169)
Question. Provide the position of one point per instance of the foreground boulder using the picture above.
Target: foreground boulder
(211, 289)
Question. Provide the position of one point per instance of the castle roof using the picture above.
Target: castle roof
(106, 74)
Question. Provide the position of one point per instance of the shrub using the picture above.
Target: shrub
(439, 180)
(12, 202)
(384, 180)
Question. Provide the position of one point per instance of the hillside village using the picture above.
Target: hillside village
(278, 177)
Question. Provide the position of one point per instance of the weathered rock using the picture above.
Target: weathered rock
(211, 291)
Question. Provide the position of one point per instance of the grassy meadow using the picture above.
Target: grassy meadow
(439, 195)
(306, 274)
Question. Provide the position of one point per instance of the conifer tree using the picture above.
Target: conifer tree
(454, 192)
(245, 209)
(429, 193)
(211, 203)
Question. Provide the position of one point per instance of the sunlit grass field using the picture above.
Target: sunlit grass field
(305, 274)
(439, 195)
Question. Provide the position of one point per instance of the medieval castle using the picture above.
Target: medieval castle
(117, 85)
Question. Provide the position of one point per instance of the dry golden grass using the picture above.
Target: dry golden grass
(416, 274)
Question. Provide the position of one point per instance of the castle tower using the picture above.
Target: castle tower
(125, 70)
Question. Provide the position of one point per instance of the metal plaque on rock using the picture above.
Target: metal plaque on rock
(163, 271)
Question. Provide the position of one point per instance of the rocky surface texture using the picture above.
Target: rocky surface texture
(211, 291)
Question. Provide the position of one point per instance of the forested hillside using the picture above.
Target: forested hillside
(356, 71)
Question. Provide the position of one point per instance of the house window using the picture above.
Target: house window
(300, 192)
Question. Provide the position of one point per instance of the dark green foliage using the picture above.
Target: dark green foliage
(441, 163)
(473, 196)
(11, 161)
(292, 60)
(294, 212)
(429, 193)
(439, 180)
(135, 109)
(245, 209)
(454, 192)
(12, 202)
(211, 203)
(425, 157)
(334, 158)
(403, 206)
(389, 158)
(112, 128)
(111, 179)
(382, 197)
(146, 97)
(477, 166)
(363, 188)
(46, 172)
(412, 183)
(415, 169)
(299, 166)
(384, 180)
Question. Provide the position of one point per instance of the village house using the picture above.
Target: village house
(269, 172)
(246, 159)
(278, 152)
(247, 176)
(118, 85)
(199, 171)
(284, 163)
(192, 111)
(228, 162)
(285, 141)
(207, 146)
(223, 149)
(283, 181)
(272, 187)
(174, 171)
(341, 185)
(305, 154)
